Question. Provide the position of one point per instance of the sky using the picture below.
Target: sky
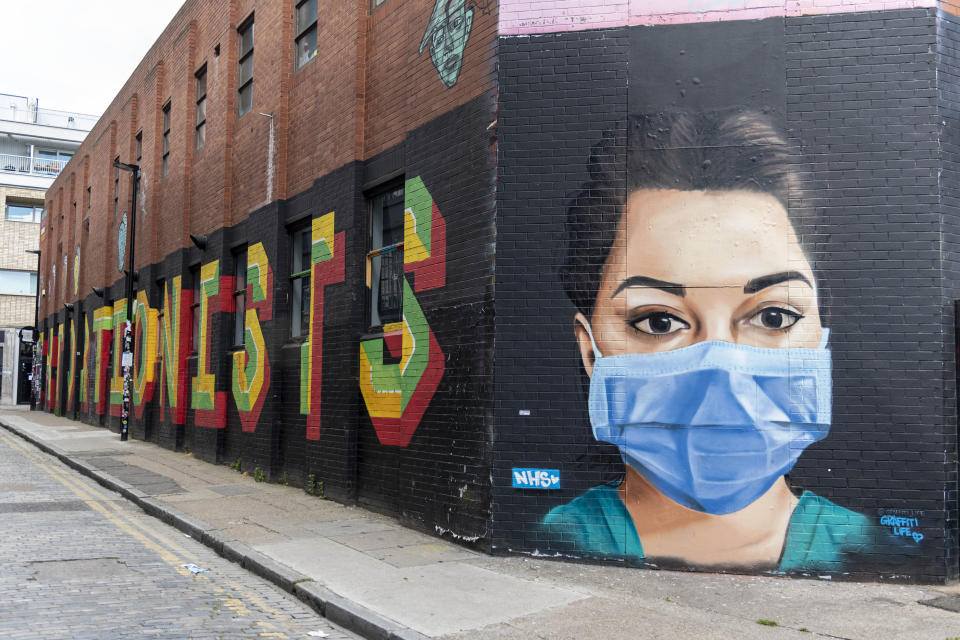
(75, 55)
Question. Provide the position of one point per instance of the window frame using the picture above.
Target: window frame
(300, 282)
(31, 277)
(304, 31)
(375, 322)
(245, 86)
(161, 284)
(35, 214)
(200, 120)
(194, 272)
(165, 140)
(116, 188)
(239, 296)
(138, 152)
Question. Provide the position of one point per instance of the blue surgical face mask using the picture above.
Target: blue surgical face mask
(712, 426)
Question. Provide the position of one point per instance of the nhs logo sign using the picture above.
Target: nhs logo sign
(536, 478)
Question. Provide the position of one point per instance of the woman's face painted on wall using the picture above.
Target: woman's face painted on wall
(690, 266)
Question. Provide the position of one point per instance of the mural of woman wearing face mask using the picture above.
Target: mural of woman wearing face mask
(699, 324)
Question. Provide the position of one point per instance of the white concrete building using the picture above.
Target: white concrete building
(35, 145)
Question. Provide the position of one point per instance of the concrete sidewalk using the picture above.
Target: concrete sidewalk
(370, 574)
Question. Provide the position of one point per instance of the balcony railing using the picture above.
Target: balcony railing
(49, 117)
(47, 168)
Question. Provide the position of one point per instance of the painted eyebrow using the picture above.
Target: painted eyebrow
(762, 282)
(643, 281)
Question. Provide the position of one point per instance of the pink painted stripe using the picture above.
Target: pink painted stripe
(525, 17)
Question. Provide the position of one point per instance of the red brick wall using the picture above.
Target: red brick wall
(366, 88)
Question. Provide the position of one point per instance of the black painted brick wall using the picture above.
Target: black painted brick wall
(440, 482)
(859, 100)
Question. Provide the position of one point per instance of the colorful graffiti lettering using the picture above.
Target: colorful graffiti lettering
(446, 35)
(175, 343)
(327, 267)
(51, 363)
(58, 349)
(116, 382)
(397, 394)
(145, 362)
(251, 367)
(71, 363)
(84, 368)
(39, 389)
(103, 330)
(210, 404)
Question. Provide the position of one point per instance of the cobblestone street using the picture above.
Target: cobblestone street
(77, 561)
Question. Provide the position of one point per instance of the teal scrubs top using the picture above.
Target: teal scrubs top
(820, 536)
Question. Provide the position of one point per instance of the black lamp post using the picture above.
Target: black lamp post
(126, 359)
(35, 386)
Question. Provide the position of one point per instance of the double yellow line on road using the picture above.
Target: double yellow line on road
(168, 550)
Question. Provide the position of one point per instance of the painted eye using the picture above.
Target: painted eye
(438, 36)
(659, 323)
(775, 318)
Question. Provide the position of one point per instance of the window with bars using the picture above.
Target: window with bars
(139, 155)
(195, 309)
(165, 159)
(161, 283)
(200, 128)
(116, 188)
(300, 248)
(306, 38)
(245, 67)
(239, 295)
(385, 258)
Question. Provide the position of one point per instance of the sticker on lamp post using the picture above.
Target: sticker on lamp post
(536, 478)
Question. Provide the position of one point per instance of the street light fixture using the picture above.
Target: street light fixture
(37, 369)
(127, 359)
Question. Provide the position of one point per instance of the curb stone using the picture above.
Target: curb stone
(351, 615)
(339, 610)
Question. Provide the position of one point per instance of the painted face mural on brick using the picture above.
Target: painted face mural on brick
(698, 324)
(446, 36)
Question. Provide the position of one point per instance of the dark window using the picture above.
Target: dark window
(195, 309)
(139, 154)
(306, 39)
(23, 212)
(385, 259)
(245, 63)
(200, 131)
(110, 361)
(165, 161)
(301, 245)
(239, 295)
(163, 304)
(89, 197)
(116, 188)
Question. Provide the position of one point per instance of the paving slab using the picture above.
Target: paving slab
(434, 600)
